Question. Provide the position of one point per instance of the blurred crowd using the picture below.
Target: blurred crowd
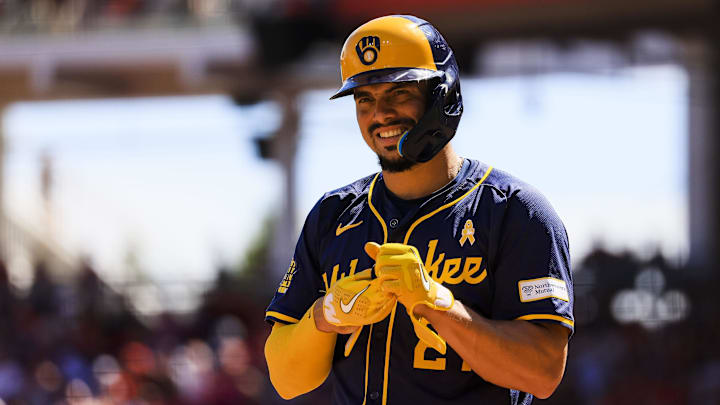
(81, 342)
(665, 352)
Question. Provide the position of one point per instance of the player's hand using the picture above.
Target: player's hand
(402, 273)
(357, 300)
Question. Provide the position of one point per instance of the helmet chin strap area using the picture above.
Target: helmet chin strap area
(400, 143)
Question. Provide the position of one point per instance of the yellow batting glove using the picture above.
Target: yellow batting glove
(402, 273)
(357, 300)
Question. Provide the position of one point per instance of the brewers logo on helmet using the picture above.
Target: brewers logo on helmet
(402, 48)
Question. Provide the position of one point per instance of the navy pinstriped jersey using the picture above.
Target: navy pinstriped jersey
(493, 240)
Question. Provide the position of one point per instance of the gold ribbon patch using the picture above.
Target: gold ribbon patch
(468, 233)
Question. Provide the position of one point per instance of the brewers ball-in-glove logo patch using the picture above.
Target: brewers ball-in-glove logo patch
(367, 49)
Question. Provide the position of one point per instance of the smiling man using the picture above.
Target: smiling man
(386, 111)
(438, 280)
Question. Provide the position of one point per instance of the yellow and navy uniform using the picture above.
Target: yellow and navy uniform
(493, 240)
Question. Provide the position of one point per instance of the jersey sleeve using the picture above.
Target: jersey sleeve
(301, 285)
(532, 267)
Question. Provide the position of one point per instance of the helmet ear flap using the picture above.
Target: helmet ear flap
(453, 102)
(433, 88)
(439, 88)
(437, 127)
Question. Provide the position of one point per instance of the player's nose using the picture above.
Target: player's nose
(384, 111)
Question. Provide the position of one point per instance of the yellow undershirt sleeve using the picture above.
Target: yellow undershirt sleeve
(299, 356)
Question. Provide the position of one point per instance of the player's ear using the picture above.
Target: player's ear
(372, 249)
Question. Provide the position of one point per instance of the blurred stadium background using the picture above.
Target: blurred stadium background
(157, 159)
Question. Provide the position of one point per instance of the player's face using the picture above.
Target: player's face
(385, 111)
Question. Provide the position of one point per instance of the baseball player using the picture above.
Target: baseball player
(439, 280)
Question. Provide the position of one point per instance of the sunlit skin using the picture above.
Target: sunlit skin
(385, 111)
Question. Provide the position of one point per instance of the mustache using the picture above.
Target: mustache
(409, 122)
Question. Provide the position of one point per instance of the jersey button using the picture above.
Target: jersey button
(394, 223)
(374, 395)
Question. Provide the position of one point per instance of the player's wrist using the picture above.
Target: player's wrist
(321, 323)
(428, 312)
(422, 310)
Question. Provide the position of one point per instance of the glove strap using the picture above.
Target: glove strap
(424, 333)
(351, 341)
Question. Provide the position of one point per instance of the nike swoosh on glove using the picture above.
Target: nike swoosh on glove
(357, 300)
(402, 273)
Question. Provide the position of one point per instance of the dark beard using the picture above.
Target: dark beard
(398, 165)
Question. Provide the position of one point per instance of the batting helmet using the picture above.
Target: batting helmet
(403, 48)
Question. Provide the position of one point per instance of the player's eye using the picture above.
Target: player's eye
(399, 92)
